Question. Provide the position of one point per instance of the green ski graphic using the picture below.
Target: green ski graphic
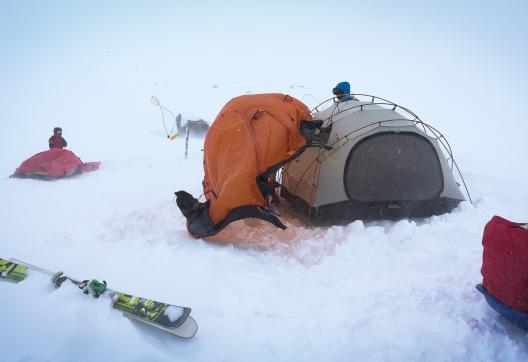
(11, 271)
(170, 318)
(165, 315)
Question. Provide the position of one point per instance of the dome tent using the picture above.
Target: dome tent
(381, 164)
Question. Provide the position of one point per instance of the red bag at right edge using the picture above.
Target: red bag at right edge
(505, 262)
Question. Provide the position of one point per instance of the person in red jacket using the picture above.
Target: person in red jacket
(56, 141)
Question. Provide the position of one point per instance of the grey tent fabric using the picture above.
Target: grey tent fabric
(391, 166)
(383, 164)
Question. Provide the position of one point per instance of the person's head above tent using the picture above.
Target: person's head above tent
(342, 92)
(57, 141)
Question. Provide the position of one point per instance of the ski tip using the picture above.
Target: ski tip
(186, 330)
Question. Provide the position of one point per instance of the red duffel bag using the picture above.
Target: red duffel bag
(505, 262)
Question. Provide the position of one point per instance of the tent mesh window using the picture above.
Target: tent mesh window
(393, 166)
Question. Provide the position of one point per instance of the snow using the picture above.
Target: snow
(173, 313)
(378, 291)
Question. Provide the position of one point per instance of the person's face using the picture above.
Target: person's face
(338, 93)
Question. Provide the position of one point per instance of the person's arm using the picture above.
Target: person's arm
(64, 143)
(51, 143)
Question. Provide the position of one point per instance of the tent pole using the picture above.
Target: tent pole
(314, 187)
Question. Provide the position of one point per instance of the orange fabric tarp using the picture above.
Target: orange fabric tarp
(249, 135)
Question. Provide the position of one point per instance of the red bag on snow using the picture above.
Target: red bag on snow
(54, 163)
(505, 262)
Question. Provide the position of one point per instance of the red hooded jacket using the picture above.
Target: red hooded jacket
(56, 141)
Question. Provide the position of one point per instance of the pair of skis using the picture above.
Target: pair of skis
(170, 318)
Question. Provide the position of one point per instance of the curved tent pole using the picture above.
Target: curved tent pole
(355, 95)
(438, 136)
(387, 103)
(315, 180)
(311, 95)
(384, 102)
(463, 181)
(316, 159)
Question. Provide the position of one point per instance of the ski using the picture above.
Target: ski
(12, 271)
(170, 318)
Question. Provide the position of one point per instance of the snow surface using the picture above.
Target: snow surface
(173, 313)
(381, 291)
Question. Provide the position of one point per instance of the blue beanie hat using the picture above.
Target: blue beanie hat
(344, 86)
